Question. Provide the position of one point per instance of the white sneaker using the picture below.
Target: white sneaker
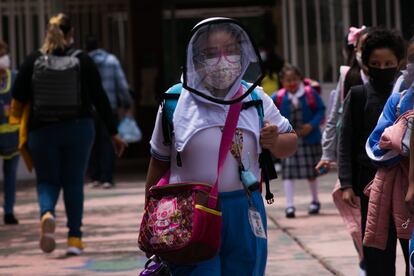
(278, 167)
(107, 185)
(95, 184)
(362, 272)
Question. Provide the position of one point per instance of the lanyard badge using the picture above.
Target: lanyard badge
(256, 223)
(250, 184)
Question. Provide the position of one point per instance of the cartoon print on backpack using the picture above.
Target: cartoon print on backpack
(166, 209)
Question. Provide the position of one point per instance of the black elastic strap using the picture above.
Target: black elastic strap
(166, 128)
(268, 173)
(255, 103)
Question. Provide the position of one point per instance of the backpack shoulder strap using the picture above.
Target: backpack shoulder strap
(259, 107)
(256, 101)
(169, 103)
(310, 97)
(171, 99)
(278, 98)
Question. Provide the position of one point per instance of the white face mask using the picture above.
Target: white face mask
(223, 74)
(358, 57)
(5, 62)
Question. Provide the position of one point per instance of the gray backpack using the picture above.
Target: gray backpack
(56, 88)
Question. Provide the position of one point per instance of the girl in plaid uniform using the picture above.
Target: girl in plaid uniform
(305, 110)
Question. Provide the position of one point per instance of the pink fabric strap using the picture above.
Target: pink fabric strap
(226, 140)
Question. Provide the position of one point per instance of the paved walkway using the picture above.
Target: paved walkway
(317, 245)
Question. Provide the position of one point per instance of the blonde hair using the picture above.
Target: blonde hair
(57, 29)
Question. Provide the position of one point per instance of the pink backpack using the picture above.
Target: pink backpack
(310, 98)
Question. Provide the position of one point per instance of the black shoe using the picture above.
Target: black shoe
(10, 219)
(314, 208)
(290, 212)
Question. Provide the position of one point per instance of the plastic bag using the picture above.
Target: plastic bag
(129, 130)
(158, 268)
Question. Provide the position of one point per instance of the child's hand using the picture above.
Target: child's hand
(349, 197)
(323, 165)
(268, 135)
(305, 130)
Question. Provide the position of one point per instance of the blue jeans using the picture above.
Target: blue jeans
(9, 175)
(241, 252)
(60, 155)
(102, 161)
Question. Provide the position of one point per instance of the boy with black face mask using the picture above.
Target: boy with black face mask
(381, 55)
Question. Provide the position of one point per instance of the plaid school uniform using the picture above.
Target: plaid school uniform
(302, 164)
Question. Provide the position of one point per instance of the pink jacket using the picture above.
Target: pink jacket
(351, 217)
(387, 192)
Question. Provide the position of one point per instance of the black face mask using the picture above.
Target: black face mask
(382, 77)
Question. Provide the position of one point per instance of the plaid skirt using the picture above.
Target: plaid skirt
(302, 164)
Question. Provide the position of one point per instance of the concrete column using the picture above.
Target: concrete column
(293, 31)
(285, 30)
(374, 12)
(305, 37)
(333, 40)
(319, 39)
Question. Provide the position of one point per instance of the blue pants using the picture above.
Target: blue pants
(102, 161)
(9, 175)
(241, 252)
(60, 155)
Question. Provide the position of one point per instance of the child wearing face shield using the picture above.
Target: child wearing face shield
(304, 108)
(219, 57)
(382, 53)
(9, 136)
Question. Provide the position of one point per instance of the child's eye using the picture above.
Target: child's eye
(389, 64)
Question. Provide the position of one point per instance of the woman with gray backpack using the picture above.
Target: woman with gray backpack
(55, 92)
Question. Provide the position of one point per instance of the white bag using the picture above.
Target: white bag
(129, 130)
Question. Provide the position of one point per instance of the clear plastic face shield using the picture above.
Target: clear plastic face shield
(219, 56)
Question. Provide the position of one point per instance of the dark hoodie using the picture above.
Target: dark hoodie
(362, 107)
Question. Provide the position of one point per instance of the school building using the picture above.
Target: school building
(149, 36)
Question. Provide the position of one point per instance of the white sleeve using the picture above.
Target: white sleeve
(159, 150)
(272, 114)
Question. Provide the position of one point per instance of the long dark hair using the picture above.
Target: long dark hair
(290, 68)
(349, 51)
(353, 77)
(273, 63)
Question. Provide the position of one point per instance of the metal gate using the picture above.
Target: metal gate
(314, 30)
